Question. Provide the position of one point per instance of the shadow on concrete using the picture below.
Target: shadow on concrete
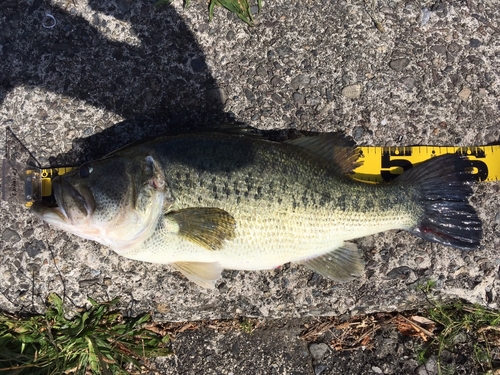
(161, 85)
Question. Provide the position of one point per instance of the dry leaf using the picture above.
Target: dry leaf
(423, 320)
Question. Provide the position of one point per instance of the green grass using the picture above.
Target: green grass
(427, 287)
(461, 327)
(98, 340)
(239, 7)
(247, 326)
(465, 323)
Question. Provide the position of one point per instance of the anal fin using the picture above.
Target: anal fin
(203, 274)
(345, 263)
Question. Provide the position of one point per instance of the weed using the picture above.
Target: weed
(247, 326)
(97, 341)
(460, 325)
(427, 287)
(239, 7)
(421, 354)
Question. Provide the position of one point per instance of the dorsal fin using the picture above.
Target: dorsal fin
(336, 148)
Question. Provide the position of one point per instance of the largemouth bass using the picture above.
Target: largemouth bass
(212, 201)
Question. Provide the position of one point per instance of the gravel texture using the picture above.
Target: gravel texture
(114, 71)
(274, 347)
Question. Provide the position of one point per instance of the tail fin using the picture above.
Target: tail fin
(443, 184)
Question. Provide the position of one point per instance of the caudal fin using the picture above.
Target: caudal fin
(443, 186)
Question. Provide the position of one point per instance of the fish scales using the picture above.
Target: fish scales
(209, 201)
(303, 204)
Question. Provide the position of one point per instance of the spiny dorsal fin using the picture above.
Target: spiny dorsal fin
(345, 263)
(203, 274)
(336, 148)
(206, 226)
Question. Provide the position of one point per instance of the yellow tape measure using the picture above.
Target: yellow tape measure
(381, 164)
(47, 174)
(385, 163)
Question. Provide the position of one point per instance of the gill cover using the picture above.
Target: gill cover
(150, 180)
(141, 206)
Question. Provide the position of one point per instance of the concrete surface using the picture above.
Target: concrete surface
(113, 71)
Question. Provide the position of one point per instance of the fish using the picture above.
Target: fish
(208, 201)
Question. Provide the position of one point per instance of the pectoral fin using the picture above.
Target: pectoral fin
(206, 226)
(203, 274)
(345, 263)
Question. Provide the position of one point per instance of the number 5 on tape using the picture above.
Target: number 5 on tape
(383, 164)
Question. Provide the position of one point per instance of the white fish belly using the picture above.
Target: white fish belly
(262, 242)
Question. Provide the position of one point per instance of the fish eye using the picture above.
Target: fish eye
(85, 170)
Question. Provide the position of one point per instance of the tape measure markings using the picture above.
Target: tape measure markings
(385, 163)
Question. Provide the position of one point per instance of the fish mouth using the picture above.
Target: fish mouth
(72, 204)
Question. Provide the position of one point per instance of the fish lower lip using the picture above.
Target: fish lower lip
(73, 202)
(42, 209)
(57, 191)
(88, 199)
